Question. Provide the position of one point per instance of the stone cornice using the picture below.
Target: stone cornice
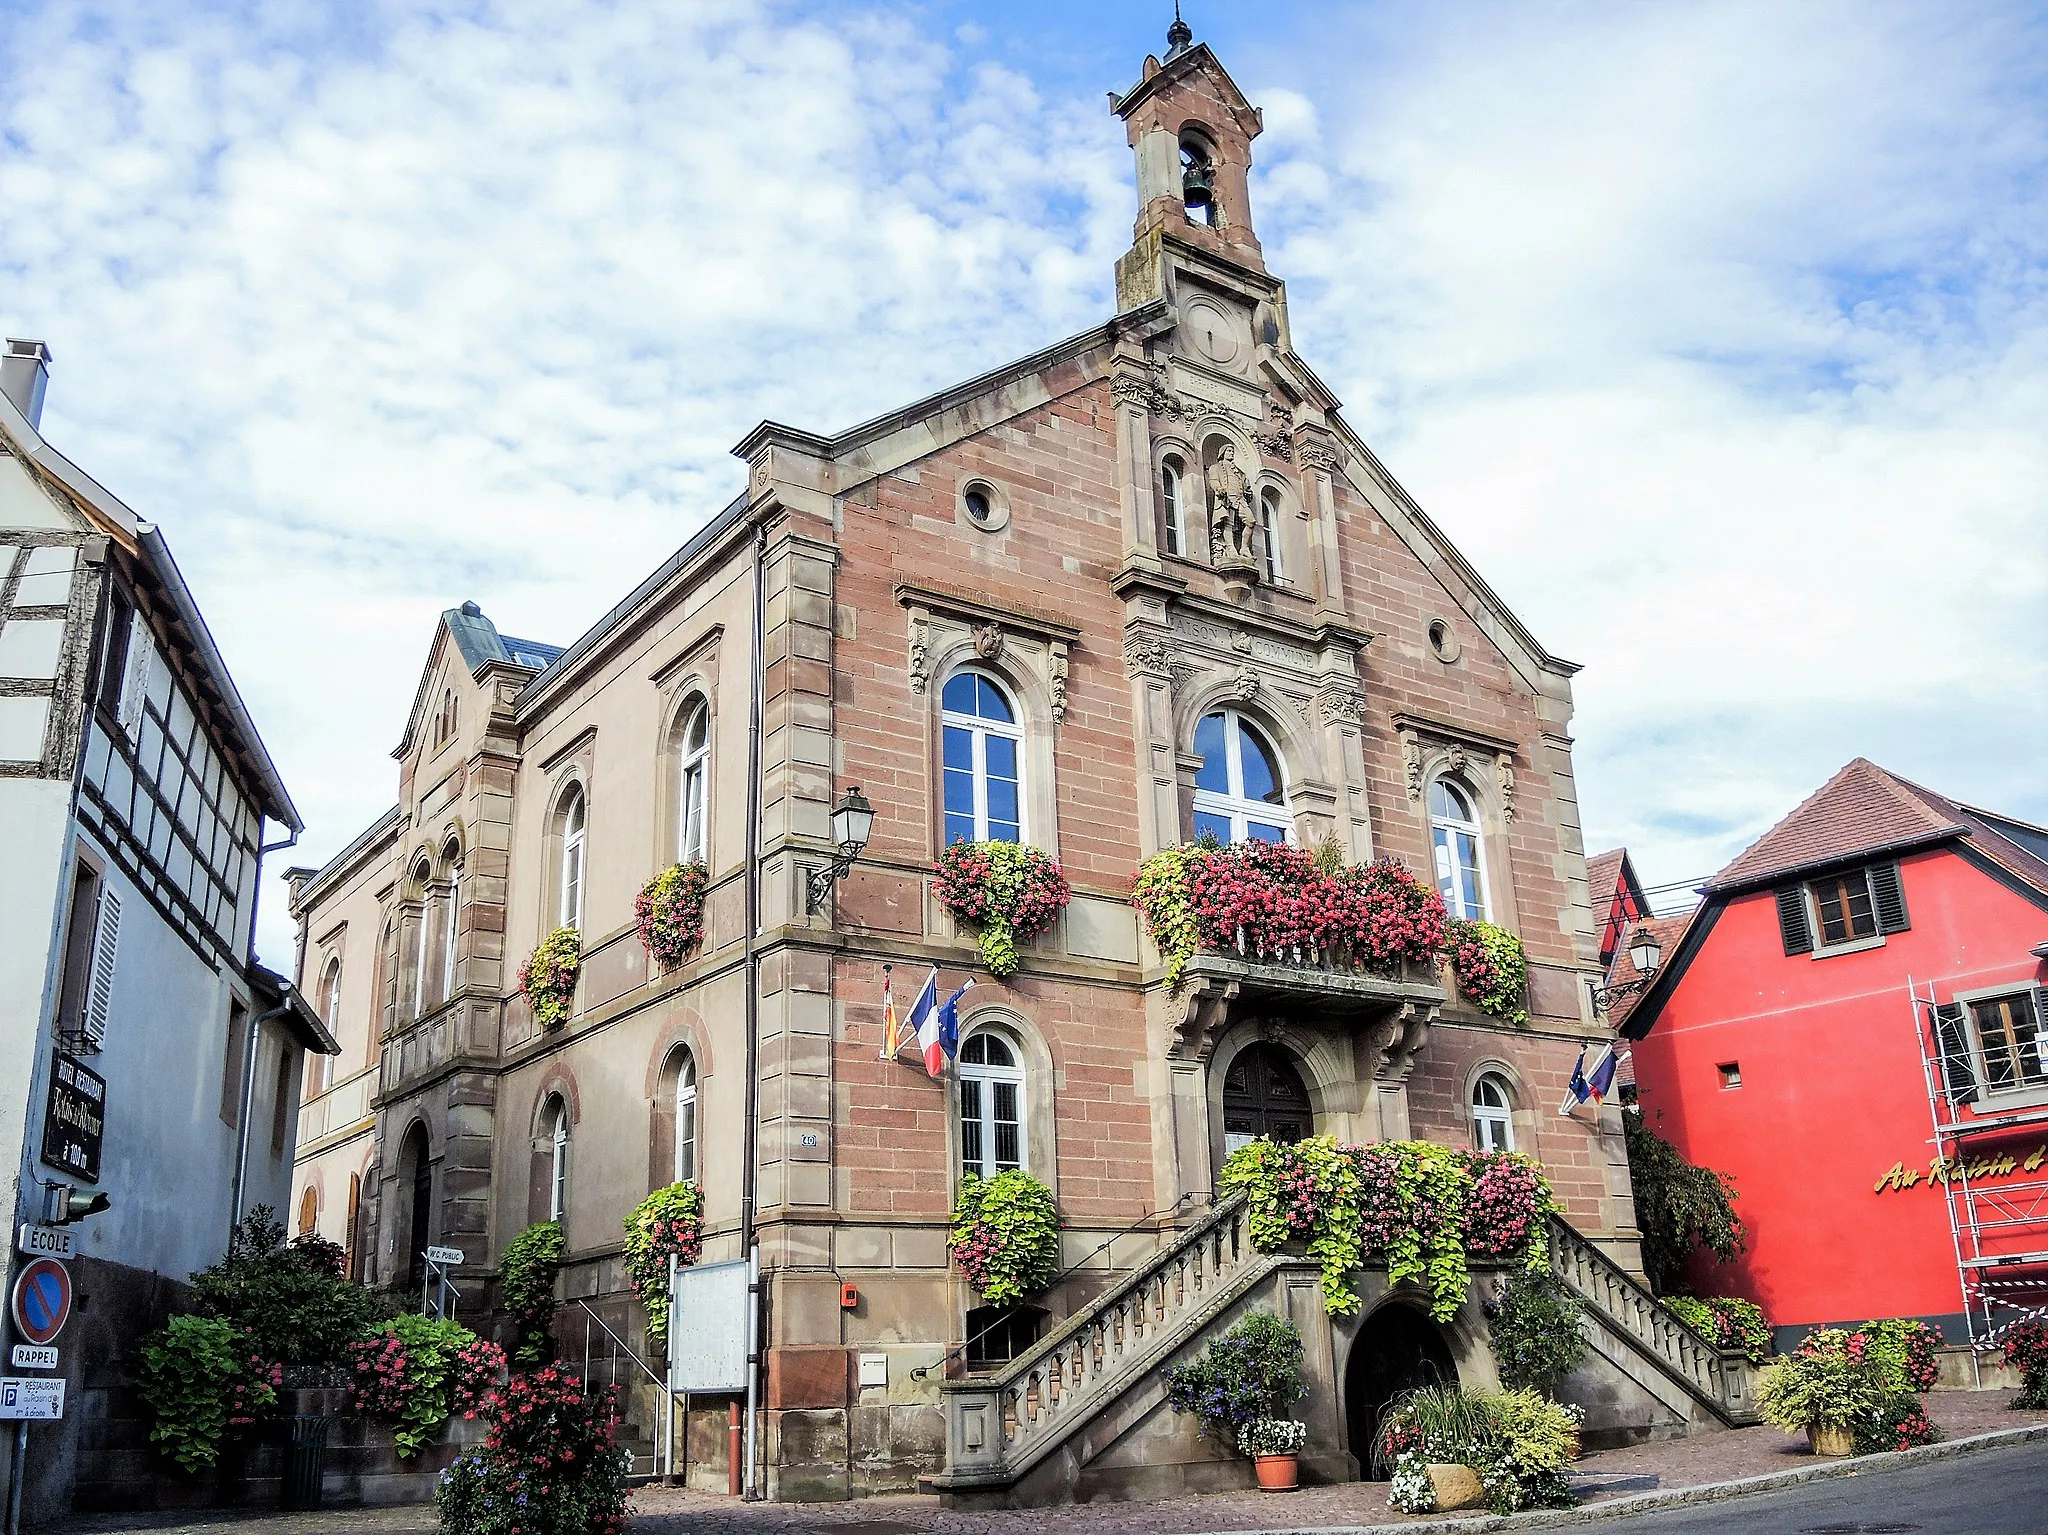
(983, 610)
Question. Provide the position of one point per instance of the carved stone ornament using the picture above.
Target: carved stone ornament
(1146, 655)
(1231, 518)
(1411, 762)
(1504, 772)
(1318, 455)
(1245, 687)
(1056, 673)
(920, 652)
(1241, 641)
(988, 641)
(1396, 1039)
(1340, 704)
(1454, 757)
(1275, 438)
(1145, 386)
(1200, 1014)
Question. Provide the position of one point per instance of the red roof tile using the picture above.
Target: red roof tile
(1863, 809)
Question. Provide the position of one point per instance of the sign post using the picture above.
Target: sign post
(31, 1399)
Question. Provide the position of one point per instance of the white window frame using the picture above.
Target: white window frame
(1500, 1116)
(558, 1161)
(1443, 830)
(420, 960)
(575, 813)
(330, 998)
(986, 1078)
(693, 799)
(2020, 1094)
(448, 933)
(1240, 810)
(979, 730)
(1271, 511)
(1174, 497)
(683, 1158)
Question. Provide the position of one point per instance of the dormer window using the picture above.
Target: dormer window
(1198, 180)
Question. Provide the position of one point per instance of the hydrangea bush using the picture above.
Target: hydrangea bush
(1491, 969)
(1276, 903)
(549, 977)
(202, 1379)
(1421, 1209)
(1006, 1235)
(669, 1223)
(1008, 891)
(670, 911)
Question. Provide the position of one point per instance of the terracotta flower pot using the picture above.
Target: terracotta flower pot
(1277, 1473)
(1830, 1439)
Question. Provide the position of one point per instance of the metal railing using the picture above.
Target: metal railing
(662, 1458)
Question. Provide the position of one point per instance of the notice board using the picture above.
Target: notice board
(708, 1328)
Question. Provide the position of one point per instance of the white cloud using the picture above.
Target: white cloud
(1715, 335)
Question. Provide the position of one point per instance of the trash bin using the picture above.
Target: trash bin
(305, 1455)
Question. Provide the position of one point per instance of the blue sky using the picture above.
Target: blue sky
(1715, 334)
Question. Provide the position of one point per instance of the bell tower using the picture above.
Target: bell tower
(1191, 130)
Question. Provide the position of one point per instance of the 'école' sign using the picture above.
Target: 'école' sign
(1975, 1168)
(75, 1119)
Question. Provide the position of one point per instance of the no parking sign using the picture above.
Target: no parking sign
(42, 1300)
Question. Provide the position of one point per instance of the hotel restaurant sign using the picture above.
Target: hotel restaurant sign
(1977, 1169)
(76, 1118)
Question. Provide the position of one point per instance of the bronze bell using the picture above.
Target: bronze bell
(1198, 182)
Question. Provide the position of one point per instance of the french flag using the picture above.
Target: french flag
(936, 1024)
(1586, 1087)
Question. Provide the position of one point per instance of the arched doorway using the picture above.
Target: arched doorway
(1263, 1095)
(416, 1170)
(1397, 1350)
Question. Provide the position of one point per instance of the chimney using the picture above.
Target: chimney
(24, 375)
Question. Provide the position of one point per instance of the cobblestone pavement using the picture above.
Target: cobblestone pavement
(671, 1511)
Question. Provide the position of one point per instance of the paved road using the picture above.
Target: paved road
(1993, 1492)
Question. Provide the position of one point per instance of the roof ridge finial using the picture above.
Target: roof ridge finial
(1179, 35)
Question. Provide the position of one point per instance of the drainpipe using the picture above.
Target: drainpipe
(756, 706)
(249, 1045)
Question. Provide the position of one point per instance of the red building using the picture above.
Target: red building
(1880, 941)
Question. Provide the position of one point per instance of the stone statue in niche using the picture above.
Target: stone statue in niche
(1230, 510)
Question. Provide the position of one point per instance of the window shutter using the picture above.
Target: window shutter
(135, 685)
(1888, 894)
(99, 993)
(1958, 1067)
(1793, 924)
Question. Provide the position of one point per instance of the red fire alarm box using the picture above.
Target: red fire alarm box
(849, 1297)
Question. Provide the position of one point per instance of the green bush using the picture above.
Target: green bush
(2026, 1350)
(201, 1377)
(551, 1465)
(416, 1371)
(526, 1289)
(1006, 1235)
(1905, 1347)
(291, 1296)
(1821, 1385)
(1680, 1208)
(1726, 1322)
(1534, 1322)
(1249, 1375)
(1519, 1443)
(669, 1223)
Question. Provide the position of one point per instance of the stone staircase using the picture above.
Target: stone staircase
(1042, 1428)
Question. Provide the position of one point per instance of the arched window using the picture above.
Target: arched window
(569, 892)
(423, 882)
(686, 1120)
(1198, 180)
(320, 1068)
(991, 1105)
(1460, 868)
(1173, 520)
(351, 1241)
(1270, 524)
(309, 1210)
(1493, 1115)
(694, 794)
(1240, 788)
(451, 919)
(555, 1121)
(981, 744)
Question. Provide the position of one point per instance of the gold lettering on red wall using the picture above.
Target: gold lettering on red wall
(1945, 1169)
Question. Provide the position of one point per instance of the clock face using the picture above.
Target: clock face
(1214, 332)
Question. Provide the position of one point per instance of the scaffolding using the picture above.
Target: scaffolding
(1996, 1193)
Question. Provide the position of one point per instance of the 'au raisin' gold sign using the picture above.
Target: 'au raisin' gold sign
(1977, 1169)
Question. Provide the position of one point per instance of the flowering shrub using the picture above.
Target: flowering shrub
(669, 1223)
(1244, 1379)
(414, 1372)
(1009, 890)
(670, 911)
(1905, 1348)
(1726, 1322)
(1272, 1436)
(1006, 1235)
(549, 977)
(1867, 1381)
(549, 1465)
(1418, 1207)
(1492, 972)
(1269, 901)
(1534, 1325)
(2026, 1349)
(203, 1379)
(1899, 1422)
(526, 1289)
(1519, 1444)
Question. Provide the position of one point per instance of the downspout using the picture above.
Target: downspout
(256, 1023)
(756, 708)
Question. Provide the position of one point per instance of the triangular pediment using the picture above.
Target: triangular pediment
(1196, 61)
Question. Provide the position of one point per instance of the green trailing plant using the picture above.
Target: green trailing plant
(1007, 891)
(416, 1372)
(290, 1295)
(1681, 1209)
(549, 977)
(1246, 1379)
(1519, 1443)
(1006, 1235)
(203, 1379)
(1164, 892)
(526, 1290)
(1492, 970)
(1534, 1325)
(1726, 1322)
(669, 1223)
(1422, 1209)
(670, 912)
(2026, 1350)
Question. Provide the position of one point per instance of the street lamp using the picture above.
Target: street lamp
(853, 818)
(1646, 954)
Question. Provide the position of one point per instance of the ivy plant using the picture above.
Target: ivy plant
(669, 1223)
(526, 1289)
(1534, 1326)
(549, 977)
(1680, 1208)
(1008, 891)
(1491, 968)
(1006, 1235)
